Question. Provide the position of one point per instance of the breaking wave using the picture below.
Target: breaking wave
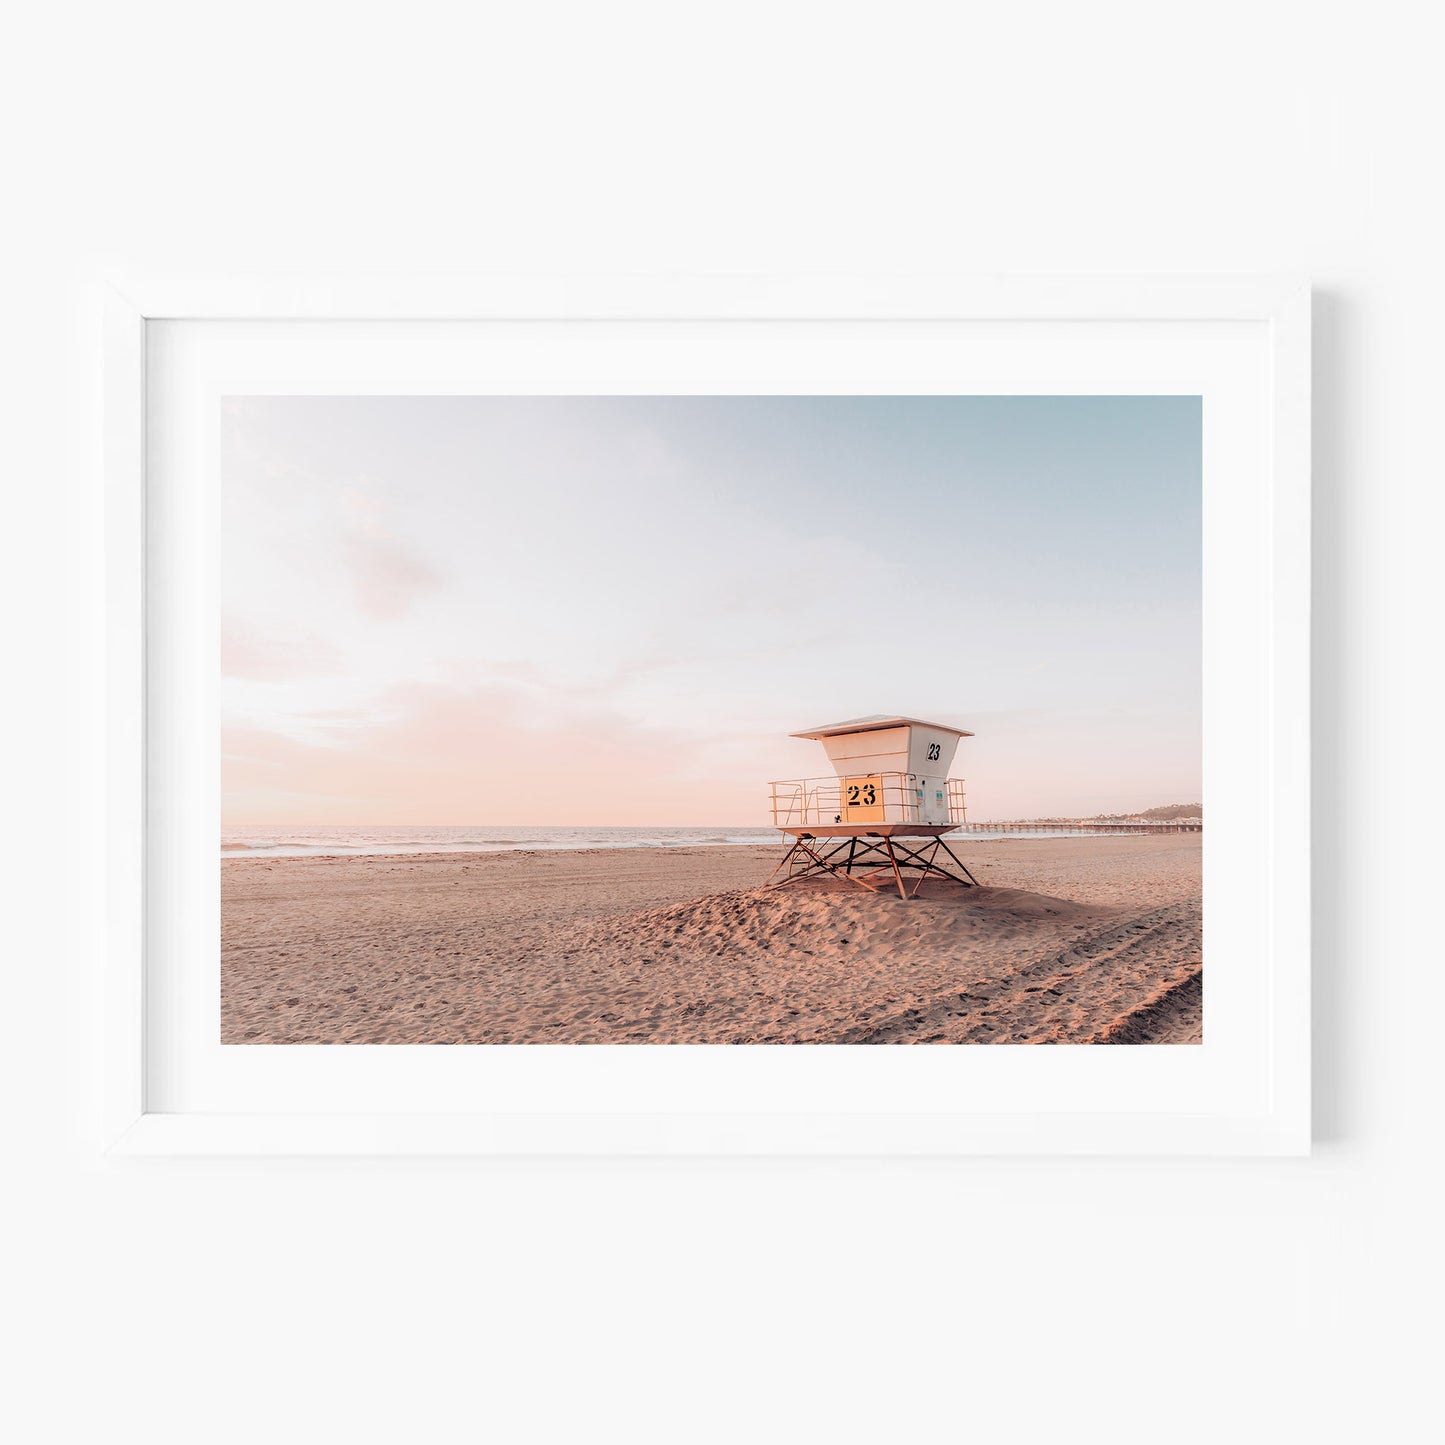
(359, 841)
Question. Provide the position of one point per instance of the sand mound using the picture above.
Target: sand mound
(828, 911)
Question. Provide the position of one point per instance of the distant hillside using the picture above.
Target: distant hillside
(1166, 814)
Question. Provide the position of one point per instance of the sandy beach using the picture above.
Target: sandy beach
(1075, 940)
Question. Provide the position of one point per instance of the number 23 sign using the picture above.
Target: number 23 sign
(863, 800)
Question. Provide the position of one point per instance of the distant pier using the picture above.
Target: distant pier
(1185, 825)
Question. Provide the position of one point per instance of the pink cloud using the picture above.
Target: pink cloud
(386, 576)
(474, 758)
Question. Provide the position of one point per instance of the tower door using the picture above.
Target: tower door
(930, 754)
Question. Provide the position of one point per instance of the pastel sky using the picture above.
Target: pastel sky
(613, 610)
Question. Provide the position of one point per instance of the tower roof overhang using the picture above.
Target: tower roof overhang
(875, 722)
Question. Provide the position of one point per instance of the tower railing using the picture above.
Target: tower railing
(957, 809)
(873, 798)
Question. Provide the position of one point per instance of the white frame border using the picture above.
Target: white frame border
(127, 1127)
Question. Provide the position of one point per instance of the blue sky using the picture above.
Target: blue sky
(439, 608)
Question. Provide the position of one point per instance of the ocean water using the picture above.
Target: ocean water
(356, 840)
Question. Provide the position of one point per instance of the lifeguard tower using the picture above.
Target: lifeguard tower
(886, 808)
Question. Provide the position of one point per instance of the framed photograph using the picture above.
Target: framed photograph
(716, 716)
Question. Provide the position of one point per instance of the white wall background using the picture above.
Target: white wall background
(1026, 1301)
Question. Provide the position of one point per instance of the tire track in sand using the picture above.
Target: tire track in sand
(1135, 981)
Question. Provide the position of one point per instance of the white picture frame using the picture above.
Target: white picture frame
(1257, 1099)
